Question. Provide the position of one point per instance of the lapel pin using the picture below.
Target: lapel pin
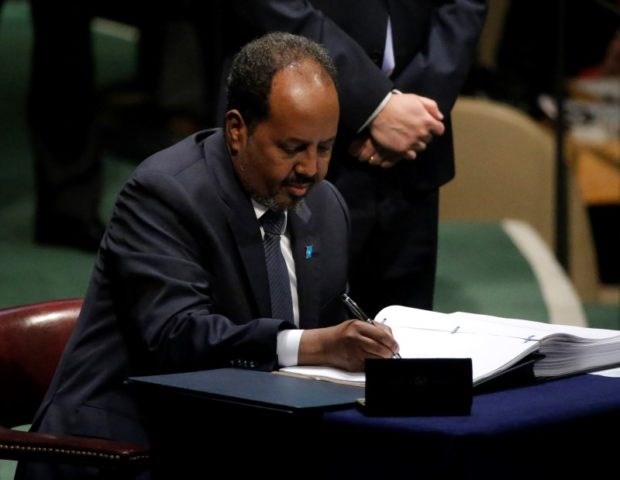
(309, 251)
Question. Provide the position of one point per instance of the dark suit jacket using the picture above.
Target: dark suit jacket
(434, 45)
(180, 284)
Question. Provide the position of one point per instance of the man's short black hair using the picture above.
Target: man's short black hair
(254, 67)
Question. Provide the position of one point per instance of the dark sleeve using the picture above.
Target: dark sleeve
(440, 69)
(362, 85)
(160, 255)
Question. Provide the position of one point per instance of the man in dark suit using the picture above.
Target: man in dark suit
(420, 48)
(181, 281)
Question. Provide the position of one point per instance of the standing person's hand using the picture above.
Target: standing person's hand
(400, 130)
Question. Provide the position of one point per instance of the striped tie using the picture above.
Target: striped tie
(279, 283)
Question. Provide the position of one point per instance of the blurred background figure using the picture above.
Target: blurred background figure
(529, 44)
(61, 109)
(522, 62)
(68, 121)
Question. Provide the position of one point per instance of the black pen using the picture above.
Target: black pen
(356, 311)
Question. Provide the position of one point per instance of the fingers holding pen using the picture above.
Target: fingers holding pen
(346, 345)
(378, 340)
(362, 340)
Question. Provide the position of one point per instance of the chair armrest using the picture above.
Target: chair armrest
(43, 447)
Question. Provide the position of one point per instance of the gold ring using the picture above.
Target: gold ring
(371, 159)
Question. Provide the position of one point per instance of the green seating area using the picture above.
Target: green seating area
(481, 270)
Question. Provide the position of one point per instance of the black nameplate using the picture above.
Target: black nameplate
(414, 386)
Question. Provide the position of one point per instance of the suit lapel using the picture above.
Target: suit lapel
(243, 223)
(306, 249)
(245, 230)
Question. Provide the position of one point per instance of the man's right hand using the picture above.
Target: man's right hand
(346, 345)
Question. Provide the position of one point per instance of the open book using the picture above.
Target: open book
(494, 344)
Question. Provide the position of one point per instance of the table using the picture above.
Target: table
(537, 431)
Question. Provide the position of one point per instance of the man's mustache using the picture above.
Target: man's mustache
(300, 179)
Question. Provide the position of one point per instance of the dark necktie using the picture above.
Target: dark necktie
(279, 283)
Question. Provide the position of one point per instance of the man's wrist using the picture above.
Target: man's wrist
(373, 115)
(377, 110)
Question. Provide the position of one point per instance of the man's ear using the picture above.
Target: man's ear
(235, 129)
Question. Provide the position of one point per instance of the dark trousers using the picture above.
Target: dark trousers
(394, 238)
(60, 111)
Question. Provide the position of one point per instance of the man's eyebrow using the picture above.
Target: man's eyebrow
(295, 141)
(329, 140)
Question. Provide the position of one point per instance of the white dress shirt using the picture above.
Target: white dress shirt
(387, 67)
(288, 340)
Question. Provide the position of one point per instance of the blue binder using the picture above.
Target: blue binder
(254, 388)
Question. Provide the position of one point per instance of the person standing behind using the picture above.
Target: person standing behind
(182, 279)
(61, 107)
(423, 49)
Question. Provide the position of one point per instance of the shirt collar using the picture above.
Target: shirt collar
(260, 210)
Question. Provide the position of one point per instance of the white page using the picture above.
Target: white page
(489, 354)
(493, 343)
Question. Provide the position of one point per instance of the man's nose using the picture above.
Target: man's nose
(308, 163)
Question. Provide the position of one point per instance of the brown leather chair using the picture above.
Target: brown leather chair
(32, 338)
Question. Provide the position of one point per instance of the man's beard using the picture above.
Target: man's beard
(272, 204)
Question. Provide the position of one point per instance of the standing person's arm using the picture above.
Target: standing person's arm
(437, 71)
(362, 85)
(440, 69)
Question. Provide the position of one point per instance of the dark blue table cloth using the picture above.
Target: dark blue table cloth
(544, 430)
(549, 430)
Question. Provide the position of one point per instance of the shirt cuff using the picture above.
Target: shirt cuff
(376, 112)
(288, 347)
(381, 106)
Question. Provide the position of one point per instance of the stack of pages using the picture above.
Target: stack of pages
(495, 345)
